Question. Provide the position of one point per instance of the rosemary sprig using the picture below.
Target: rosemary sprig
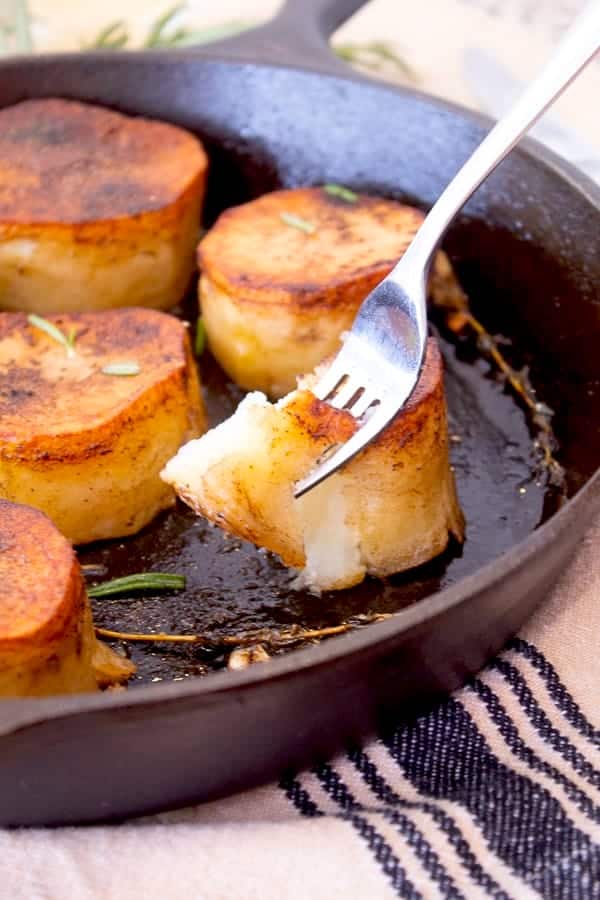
(541, 414)
(158, 35)
(143, 581)
(297, 222)
(161, 35)
(447, 297)
(376, 56)
(113, 37)
(121, 368)
(49, 328)
(16, 35)
(200, 341)
(343, 193)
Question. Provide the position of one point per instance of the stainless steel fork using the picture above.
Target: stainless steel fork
(378, 366)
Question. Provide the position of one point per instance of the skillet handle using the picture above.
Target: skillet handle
(297, 36)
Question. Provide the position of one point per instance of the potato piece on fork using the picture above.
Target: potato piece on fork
(389, 509)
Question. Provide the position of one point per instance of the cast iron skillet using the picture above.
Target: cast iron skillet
(276, 108)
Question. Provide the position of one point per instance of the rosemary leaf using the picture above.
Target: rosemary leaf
(53, 332)
(385, 52)
(161, 35)
(143, 581)
(157, 37)
(121, 368)
(200, 342)
(72, 337)
(338, 190)
(297, 222)
(114, 37)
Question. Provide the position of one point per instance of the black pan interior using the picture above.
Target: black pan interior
(525, 277)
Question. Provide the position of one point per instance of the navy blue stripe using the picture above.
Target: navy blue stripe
(445, 822)
(299, 797)
(556, 689)
(543, 725)
(446, 757)
(337, 789)
(375, 842)
(509, 732)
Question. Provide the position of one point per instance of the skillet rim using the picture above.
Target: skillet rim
(16, 714)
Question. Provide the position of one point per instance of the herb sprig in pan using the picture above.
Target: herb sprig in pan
(274, 639)
(169, 31)
(142, 581)
(454, 306)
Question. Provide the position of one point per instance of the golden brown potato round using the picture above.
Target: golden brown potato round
(97, 209)
(84, 446)
(275, 299)
(389, 509)
(47, 640)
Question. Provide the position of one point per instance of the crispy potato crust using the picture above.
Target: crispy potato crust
(84, 446)
(275, 300)
(97, 209)
(70, 163)
(42, 589)
(252, 253)
(47, 641)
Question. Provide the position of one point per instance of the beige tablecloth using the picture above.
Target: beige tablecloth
(495, 793)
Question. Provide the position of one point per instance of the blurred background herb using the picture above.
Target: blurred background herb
(378, 56)
(172, 30)
(169, 30)
(15, 27)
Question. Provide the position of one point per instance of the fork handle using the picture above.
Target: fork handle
(575, 51)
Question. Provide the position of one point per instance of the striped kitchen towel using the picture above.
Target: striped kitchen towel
(493, 793)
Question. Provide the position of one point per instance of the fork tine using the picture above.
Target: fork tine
(329, 380)
(360, 406)
(345, 394)
(372, 427)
